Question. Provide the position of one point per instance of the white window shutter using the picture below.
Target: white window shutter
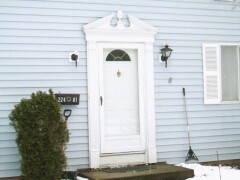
(211, 74)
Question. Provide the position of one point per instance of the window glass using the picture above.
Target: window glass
(118, 55)
(229, 67)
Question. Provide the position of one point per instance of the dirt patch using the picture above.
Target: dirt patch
(233, 163)
(11, 178)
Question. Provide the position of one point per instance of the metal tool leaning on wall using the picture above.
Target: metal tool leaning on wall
(66, 114)
(191, 156)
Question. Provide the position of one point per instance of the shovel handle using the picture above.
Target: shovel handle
(183, 90)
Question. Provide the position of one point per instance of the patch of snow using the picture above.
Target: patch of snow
(212, 172)
(81, 178)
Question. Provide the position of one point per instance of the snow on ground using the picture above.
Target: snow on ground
(81, 178)
(212, 172)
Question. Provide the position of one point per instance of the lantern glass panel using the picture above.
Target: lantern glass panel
(168, 53)
(163, 53)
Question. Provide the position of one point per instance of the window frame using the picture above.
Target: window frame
(212, 72)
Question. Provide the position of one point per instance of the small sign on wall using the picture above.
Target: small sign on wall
(68, 99)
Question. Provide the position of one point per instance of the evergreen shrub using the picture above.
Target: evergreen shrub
(40, 132)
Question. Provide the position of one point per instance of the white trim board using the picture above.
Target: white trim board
(137, 34)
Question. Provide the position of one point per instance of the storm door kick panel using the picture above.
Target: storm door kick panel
(121, 125)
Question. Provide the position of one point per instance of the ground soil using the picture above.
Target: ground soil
(233, 163)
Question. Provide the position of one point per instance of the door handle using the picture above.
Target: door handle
(101, 100)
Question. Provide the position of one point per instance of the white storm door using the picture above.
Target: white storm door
(121, 122)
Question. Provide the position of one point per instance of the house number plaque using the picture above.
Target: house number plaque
(68, 99)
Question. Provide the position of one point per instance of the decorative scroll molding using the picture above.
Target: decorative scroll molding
(137, 30)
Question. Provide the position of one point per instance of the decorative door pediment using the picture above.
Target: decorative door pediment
(111, 28)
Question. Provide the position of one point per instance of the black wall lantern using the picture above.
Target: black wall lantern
(166, 53)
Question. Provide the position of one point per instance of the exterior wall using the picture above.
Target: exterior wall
(37, 36)
(213, 127)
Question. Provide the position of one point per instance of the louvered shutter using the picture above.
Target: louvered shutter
(211, 71)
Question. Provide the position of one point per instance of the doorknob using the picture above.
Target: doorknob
(101, 100)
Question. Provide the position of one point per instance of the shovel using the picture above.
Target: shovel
(66, 114)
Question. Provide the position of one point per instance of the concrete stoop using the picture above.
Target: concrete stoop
(157, 172)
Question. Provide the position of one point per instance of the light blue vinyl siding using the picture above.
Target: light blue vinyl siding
(213, 127)
(36, 37)
(34, 56)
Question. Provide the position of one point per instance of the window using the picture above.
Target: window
(229, 75)
(221, 67)
(118, 55)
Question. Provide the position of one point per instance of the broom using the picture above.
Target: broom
(190, 155)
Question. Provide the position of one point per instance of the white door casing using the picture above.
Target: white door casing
(139, 36)
(122, 111)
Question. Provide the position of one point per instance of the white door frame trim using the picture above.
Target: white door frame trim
(138, 32)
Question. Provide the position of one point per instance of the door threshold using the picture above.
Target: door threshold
(121, 153)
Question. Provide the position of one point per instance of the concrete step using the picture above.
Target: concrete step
(152, 172)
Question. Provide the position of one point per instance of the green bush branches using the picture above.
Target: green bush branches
(40, 132)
